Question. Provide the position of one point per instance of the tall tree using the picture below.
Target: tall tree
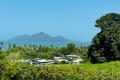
(1, 45)
(71, 48)
(106, 44)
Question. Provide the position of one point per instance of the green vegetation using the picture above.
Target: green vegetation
(19, 71)
(47, 52)
(106, 44)
(22, 71)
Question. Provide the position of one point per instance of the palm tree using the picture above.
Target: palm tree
(10, 46)
(14, 45)
(1, 44)
(25, 45)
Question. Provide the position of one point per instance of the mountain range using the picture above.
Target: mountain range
(39, 37)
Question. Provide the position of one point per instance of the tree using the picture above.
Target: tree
(106, 44)
(1, 44)
(71, 48)
(14, 45)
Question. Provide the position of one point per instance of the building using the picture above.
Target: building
(74, 59)
(39, 61)
(60, 60)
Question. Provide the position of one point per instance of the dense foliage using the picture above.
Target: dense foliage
(106, 44)
(47, 52)
(23, 71)
(19, 71)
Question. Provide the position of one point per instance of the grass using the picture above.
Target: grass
(105, 71)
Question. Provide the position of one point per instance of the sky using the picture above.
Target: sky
(72, 19)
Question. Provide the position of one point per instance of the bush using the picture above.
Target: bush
(19, 71)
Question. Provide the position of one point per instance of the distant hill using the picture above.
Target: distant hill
(39, 37)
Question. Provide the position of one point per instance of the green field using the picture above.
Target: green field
(19, 71)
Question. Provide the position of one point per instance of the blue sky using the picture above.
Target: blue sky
(73, 19)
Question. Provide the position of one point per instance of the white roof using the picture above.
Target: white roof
(42, 60)
(72, 55)
(77, 60)
(61, 60)
(58, 57)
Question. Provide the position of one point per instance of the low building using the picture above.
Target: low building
(39, 61)
(77, 61)
(74, 59)
(60, 60)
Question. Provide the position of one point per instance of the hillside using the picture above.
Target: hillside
(39, 37)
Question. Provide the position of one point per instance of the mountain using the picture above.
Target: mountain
(39, 37)
(20, 38)
(59, 38)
